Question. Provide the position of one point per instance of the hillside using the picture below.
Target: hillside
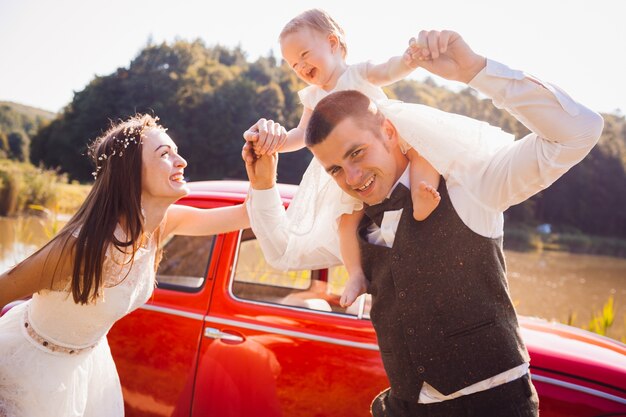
(29, 111)
(18, 124)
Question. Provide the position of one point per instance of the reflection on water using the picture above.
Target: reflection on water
(19, 237)
(555, 285)
(552, 285)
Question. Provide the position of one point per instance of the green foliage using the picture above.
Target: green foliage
(22, 184)
(579, 243)
(51, 225)
(10, 185)
(19, 146)
(590, 196)
(4, 146)
(208, 96)
(18, 123)
(69, 197)
(523, 237)
(601, 321)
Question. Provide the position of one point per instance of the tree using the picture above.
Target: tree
(4, 146)
(208, 96)
(19, 145)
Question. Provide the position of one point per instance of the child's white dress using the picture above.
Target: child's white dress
(54, 355)
(450, 142)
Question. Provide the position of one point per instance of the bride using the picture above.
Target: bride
(54, 356)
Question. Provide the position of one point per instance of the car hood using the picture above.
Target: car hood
(575, 352)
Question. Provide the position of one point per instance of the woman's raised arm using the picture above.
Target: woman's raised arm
(190, 221)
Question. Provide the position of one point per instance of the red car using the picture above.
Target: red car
(226, 335)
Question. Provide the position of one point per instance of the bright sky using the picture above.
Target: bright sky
(49, 49)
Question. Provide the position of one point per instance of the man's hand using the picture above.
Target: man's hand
(261, 169)
(267, 136)
(445, 54)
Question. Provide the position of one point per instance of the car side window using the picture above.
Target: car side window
(255, 280)
(185, 262)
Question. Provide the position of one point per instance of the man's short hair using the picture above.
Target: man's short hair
(335, 108)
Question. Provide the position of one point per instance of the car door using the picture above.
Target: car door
(155, 348)
(277, 343)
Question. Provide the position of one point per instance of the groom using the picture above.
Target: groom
(446, 327)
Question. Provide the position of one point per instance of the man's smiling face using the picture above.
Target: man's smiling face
(364, 164)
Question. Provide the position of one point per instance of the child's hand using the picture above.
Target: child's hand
(266, 136)
(446, 54)
(413, 54)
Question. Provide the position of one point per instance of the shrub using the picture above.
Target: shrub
(23, 184)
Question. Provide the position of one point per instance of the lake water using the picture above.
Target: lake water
(556, 285)
(551, 285)
(19, 237)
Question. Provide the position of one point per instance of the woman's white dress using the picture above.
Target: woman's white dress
(54, 355)
(452, 143)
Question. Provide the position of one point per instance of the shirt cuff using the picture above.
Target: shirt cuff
(265, 199)
(495, 79)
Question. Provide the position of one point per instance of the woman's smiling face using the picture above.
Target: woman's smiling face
(162, 167)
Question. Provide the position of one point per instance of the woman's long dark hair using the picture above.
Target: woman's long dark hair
(114, 198)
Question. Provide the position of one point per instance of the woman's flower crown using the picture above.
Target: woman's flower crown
(129, 135)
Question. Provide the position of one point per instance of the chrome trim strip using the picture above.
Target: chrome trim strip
(293, 308)
(173, 312)
(262, 328)
(292, 333)
(576, 387)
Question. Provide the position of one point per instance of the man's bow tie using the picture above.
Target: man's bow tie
(395, 202)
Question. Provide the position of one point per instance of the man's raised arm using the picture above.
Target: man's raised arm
(268, 220)
(564, 131)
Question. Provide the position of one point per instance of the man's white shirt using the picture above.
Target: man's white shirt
(563, 133)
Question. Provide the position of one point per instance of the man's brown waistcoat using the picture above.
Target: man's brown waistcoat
(440, 304)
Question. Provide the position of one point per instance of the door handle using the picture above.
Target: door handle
(214, 333)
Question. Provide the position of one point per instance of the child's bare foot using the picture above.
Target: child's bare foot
(425, 198)
(355, 286)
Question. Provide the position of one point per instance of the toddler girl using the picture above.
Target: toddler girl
(313, 45)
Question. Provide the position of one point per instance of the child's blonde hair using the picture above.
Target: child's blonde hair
(318, 20)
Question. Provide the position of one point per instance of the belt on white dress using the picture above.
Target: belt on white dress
(49, 345)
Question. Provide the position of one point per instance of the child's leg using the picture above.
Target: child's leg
(424, 183)
(349, 245)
